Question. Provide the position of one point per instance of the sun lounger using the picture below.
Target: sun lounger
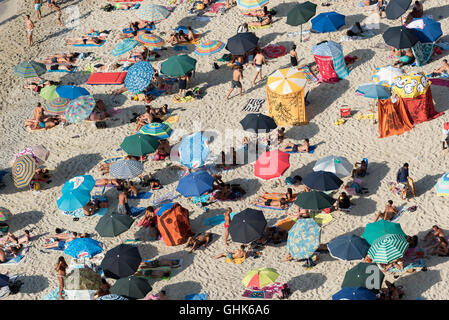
(106, 78)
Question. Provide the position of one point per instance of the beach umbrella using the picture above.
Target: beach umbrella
(150, 40)
(56, 106)
(442, 186)
(348, 247)
(400, 37)
(242, 43)
(247, 226)
(314, 200)
(260, 277)
(388, 248)
(131, 287)
(327, 48)
(396, 8)
(126, 169)
(303, 239)
(82, 279)
(84, 183)
(113, 224)
(39, 153)
(354, 294)
(30, 69)
(83, 247)
(194, 150)
(209, 47)
(111, 297)
(338, 165)
(386, 75)
(49, 93)
(139, 77)
(380, 228)
(79, 109)
(178, 65)
(71, 92)
(322, 181)
(286, 81)
(72, 200)
(124, 47)
(427, 29)
(4, 280)
(365, 275)
(23, 170)
(374, 91)
(300, 14)
(271, 164)
(139, 144)
(121, 261)
(258, 122)
(152, 13)
(328, 22)
(251, 4)
(158, 130)
(5, 214)
(195, 184)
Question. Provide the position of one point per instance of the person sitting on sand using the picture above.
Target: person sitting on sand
(200, 240)
(360, 169)
(191, 35)
(441, 248)
(418, 9)
(99, 112)
(178, 37)
(83, 40)
(236, 254)
(391, 292)
(149, 219)
(159, 112)
(343, 202)
(266, 20)
(435, 233)
(157, 81)
(398, 264)
(444, 69)
(355, 31)
(145, 118)
(406, 59)
(163, 150)
(281, 204)
(291, 147)
(25, 239)
(389, 212)
(40, 120)
(103, 290)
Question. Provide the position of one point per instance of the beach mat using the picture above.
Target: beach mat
(73, 70)
(259, 27)
(11, 260)
(135, 211)
(196, 296)
(311, 150)
(213, 221)
(79, 213)
(106, 78)
(90, 45)
(54, 295)
(253, 105)
(141, 195)
(286, 224)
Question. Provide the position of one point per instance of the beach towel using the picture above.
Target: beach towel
(326, 68)
(66, 71)
(311, 150)
(171, 119)
(416, 264)
(135, 211)
(422, 53)
(180, 48)
(235, 261)
(214, 8)
(311, 78)
(443, 45)
(106, 78)
(214, 221)
(297, 33)
(179, 99)
(439, 82)
(254, 105)
(141, 195)
(401, 211)
(79, 213)
(259, 27)
(393, 118)
(340, 66)
(54, 295)
(273, 208)
(196, 296)
(275, 51)
(194, 41)
(90, 45)
(286, 224)
(420, 108)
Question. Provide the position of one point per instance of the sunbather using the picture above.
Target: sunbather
(21, 240)
(433, 235)
(360, 169)
(163, 150)
(178, 37)
(160, 263)
(291, 147)
(37, 86)
(441, 248)
(66, 236)
(398, 263)
(153, 273)
(389, 212)
(406, 59)
(281, 204)
(343, 202)
(123, 206)
(103, 290)
(289, 195)
(149, 181)
(236, 254)
(55, 67)
(200, 240)
(83, 40)
(159, 112)
(54, 60)
(444, 69)
(40, 120)
(144, 119)
(262, 22)
(149, 219)
(94, 206)
(61, 268)
(391, 292)
(117, 6)
(301, 214)
(99, 112)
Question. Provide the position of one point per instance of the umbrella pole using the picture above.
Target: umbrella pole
(300, 34)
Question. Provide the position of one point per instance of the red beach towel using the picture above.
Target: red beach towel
(326, 68)
(107, 78)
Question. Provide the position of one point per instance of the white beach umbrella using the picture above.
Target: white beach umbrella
(340, 166)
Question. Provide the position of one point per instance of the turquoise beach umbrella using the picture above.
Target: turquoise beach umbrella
(30, 69)
(124, 47)
(380, 228)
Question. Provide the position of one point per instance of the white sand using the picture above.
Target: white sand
(420, 147)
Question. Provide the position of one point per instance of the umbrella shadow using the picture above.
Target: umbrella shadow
(187, 260)
(147, 251)
(214, 77)
(376, 172)
(304, 170)
(426, 281)
(198, 225)
(111, 100)
(283, 9)
(195, 24)
(438, 13)
(179, 290)
(364, 55)
(307, 282)
(426, 184)
(124, 115)
(362, 207)
(33, 284)
(439, 95)
(324, 95)
(268, 38)
(302, 132)
(24, 220)
(73, 167)
(74, 79)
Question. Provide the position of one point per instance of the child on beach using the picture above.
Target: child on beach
(37, 8)
(227, 216)
(30, 27)
(237, 75)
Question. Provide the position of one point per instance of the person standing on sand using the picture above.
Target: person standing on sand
(237, 75)
(30, 27)
(58, 13)
(61, 270)
(258, 61)
(227, 217)
(37, 8)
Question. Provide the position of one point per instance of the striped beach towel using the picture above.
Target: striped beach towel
(340, 66)
(311, 78)
(254, 105)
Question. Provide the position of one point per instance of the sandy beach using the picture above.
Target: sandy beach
(77, 149)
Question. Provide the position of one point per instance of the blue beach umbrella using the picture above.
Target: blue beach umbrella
(195, 184)
(328, 22)
(83, 183)
(73, 200)
(71, 92)
(4, 280)
(359, 293)
(348, 247)
(124, 47)
(164, 208)
(83, 247)
(374, 91)
(139, 77)
(194, 150)
(303, 239)
(426, 29)
(327, 49)
(30, 69)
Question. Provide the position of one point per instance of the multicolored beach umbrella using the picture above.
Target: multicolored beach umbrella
(386, 75)
(285, 81)
(49, 93)
(260, 277)
(251, 4)
(328, 49)
(5, 214)
(303, 239)
(39, 153)
(23, 170)
(152, 13)
(79, 109)
(442, 186)
(150, 40)
(157, 130)
(124, 47)
(209, 47)
(139, 77)
(30, 69)
(126, 169)
(388, 248)
(56, 106)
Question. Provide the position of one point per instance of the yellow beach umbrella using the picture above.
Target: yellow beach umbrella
(286, 81)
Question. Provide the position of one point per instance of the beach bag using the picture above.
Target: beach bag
(200, 6)
(15, 286)
(36, 186)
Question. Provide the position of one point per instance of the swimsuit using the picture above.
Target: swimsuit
(55, 67)
(295, 148)
(42, 124)
(182, 84)
(226, 226)
(117, 6)
(30, 31)
(37, 6)
(237, 84)
(268, 202)
(258, 67)
(293, 61)
(229, 255)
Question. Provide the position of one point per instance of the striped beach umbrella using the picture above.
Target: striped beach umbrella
(39, 153)
(388, 248)
(56, 106)
(124, 47)
(385, 76)
(209, 47)
(139, 77)
(157, 130)
(30, 69)
(152, 13)
(442, 186)
(251, 4)
(49, 93)
(126, 169)
(5, 214)
(79, 109)
(150, 40)
(303, 239)
(285, 81)
(23, 170)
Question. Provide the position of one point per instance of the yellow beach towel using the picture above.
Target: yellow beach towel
(171, 119)
(259, 27)
(178, 99)
(236, 261)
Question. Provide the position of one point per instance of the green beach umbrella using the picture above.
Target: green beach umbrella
(314, 200)
(388, 248)
(178, 66)
(139, 144)
(49, 93)
(157, 130)
(131, 287)
(364, 275)
(300, 14)
(380, 228)
(260, 277)
(30, 69)
(113, 224)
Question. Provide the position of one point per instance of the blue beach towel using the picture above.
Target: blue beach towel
(340, 66)
(141, 195)
(90, 45)
(180, 48)
(196, 296)
(213, 221)
(54, 295)
(311, 150)
(73, 70)
(135, 211)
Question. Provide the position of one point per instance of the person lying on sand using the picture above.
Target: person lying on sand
(149, 181)
(406, 59)
(25, 239)
(389, 212)
(441, 248)
(66, 236)
(99, 112)
(153, 273)
(281, 204)
(55, 67)
(289, 195)
(236, 254)
(54, 60)
(160, 263)
(200, 240)
(37, 86)
(159, 112)
(133, 34)
(300, 214)
(398, 263)
(93, 206)
(54, 242)
(291, 147)
(40, 120)
(83, 40)
(117, 6)
(178, 37)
